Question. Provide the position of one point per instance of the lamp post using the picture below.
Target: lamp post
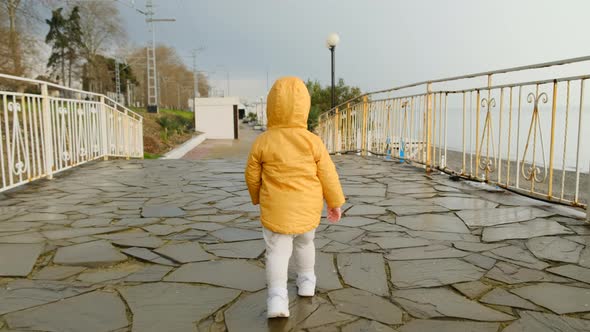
(331, 43)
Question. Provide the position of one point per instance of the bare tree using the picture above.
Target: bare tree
(175, 79)
(102, 30)
(18, 22)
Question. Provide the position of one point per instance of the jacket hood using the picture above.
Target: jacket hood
(288, 104)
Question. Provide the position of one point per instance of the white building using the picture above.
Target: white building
(217, 117)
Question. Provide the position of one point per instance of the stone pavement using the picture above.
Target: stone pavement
(176, 246)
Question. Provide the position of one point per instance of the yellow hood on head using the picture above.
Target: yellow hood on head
(288, 104)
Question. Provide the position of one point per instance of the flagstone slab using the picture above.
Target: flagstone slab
(172, 306)
(108, 275)
(398, 241)
(531, 321)
(164, 211)
(184, 252)
(206, 226)
(357, 221)
(444, 236)
(481, 261)
(408, 210)
(18, 260)
(513, 274)
(343, 234)
(365, 271)
(558, 298)
(477, 247)
(500, 216)
(363, 191)
(365, 209)
(231, 234)
(524, 230)
(163, 230)
(22, 294)
(443, 303)
(90, 254)
(518, 256)
(326, 272)
(472, 289)
(499, 296)
(365, 325)
(56, 272)
(223, 273)
(151, 273)
(243, 249)
(433, 223)
(41, 217)
(94, 312)
(430, 325)
(19, 226)
(555, 248)
(248, 314)
(92, 222)
(367, 305)
(573, 272)
(220, 218)
(30, 237)
(428, 252)
(324, 315)
(148, 256)
(432, 273)
(460, 203)
(150, 242)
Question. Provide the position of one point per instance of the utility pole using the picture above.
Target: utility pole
(117, 80)
(195, 75)
(152, 79)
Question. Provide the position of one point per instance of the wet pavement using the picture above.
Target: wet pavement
(175, 245)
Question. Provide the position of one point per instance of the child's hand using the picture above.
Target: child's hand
(334, 215)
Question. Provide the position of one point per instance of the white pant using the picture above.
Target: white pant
(278, 251)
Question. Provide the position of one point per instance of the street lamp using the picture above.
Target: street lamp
(331, 43)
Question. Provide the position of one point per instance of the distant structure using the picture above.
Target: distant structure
(217, 118)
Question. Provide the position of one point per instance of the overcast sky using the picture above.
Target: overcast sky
(383, 42)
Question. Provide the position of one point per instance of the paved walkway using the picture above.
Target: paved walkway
(176, 246)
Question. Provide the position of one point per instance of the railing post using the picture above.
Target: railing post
(364, 131)
(588, 196)
(348, 128)
(336, 125)
(127, 138)
(552, 141)
(103, 129)
(428, 127)
(47, 132)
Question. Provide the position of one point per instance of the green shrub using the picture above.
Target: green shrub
(174, 124)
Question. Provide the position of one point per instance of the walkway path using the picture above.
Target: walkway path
(176, 246)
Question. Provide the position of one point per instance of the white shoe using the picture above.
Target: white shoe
(306, 285)
(277, 303)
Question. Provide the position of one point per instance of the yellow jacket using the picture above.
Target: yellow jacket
(289, 170)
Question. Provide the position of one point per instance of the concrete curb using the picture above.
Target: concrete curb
(185, 148)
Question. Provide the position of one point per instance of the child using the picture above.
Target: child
(289, 173)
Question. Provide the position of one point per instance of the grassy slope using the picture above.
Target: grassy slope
(156, 142)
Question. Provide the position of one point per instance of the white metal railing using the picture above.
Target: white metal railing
(523, 134)
(46, 128)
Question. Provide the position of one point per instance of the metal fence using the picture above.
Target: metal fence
(46, 128)
(500, 126)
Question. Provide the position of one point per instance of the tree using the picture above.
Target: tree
(101, 29)
(65, 36)
(57, 38)
(19, 20)
(175, 79)
(74, 38)
(321, 98)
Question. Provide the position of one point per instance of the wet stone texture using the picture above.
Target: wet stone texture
(175, 245)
